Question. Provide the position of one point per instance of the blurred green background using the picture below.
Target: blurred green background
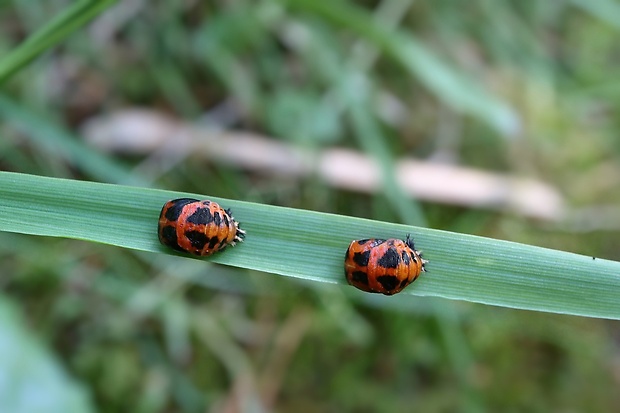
(516, 90)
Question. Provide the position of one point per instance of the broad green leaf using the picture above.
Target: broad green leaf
(311, 245)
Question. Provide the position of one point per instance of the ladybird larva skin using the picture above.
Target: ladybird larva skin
(197, 227)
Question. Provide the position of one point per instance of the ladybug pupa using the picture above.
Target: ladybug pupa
(383, 266)
(197, 227)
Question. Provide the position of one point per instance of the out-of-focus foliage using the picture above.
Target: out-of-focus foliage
(152, 333)
(31, 380)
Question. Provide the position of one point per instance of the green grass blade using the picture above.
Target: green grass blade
(51, 34)
(311, 245)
